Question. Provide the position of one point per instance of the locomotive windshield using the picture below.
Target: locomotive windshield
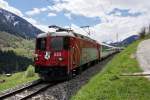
(41, 44)
(59, 43)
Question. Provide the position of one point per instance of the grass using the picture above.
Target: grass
(22, 48)
(30, 72)
(14, 80)
(109, 85)
(18, 44)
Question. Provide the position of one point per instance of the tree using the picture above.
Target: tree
(149, 29)
(142, 34)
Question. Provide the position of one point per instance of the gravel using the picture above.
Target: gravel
(143, 56)
(65, 90)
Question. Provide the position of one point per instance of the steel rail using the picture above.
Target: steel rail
(6, 95)
(37, 91)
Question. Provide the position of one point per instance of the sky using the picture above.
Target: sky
(106, 18)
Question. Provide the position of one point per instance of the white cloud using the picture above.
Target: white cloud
(35, 11)
(95, 8)
(87, 8)
(100, 8)
(51, 14)
(37, 24)
(124, 26)
(110, 24)
(68, 15)
(44, 9)
(6, 6)
(117, 13)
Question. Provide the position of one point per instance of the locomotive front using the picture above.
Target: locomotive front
(52, 56)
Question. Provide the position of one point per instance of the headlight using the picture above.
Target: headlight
(35, 56)
(60, 59)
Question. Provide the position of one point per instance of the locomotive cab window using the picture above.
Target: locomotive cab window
(41, 44)
(66, 43)
(59, 43)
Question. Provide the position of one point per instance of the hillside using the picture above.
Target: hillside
(129, 40)
(15, 53)
(109, 85)
(16, 25)
(18, 44)
(126, 41)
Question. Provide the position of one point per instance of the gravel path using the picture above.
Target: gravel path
(143, 56)
(65, 90)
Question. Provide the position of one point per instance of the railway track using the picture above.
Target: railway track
(32, 90)
(27, 91)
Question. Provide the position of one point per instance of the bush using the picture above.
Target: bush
(29, 72)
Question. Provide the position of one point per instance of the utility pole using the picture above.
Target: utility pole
(70, 27)
(117, 38)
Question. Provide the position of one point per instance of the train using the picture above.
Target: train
(61, 54)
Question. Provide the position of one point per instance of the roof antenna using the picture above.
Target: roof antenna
(60, 29)
(88, 27)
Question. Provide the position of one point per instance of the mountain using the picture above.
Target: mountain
(126, 41)
(129, 40)
(16, 25)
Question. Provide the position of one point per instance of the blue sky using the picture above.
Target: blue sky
(25, 5)
(60, 19)
(106, 18)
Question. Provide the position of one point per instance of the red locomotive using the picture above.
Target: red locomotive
(61, 53)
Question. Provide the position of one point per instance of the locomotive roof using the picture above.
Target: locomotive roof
(71, 34)
(54, 34)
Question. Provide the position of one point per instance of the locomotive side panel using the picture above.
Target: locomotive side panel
(89, 52)
(83, 52)
(75, 52)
